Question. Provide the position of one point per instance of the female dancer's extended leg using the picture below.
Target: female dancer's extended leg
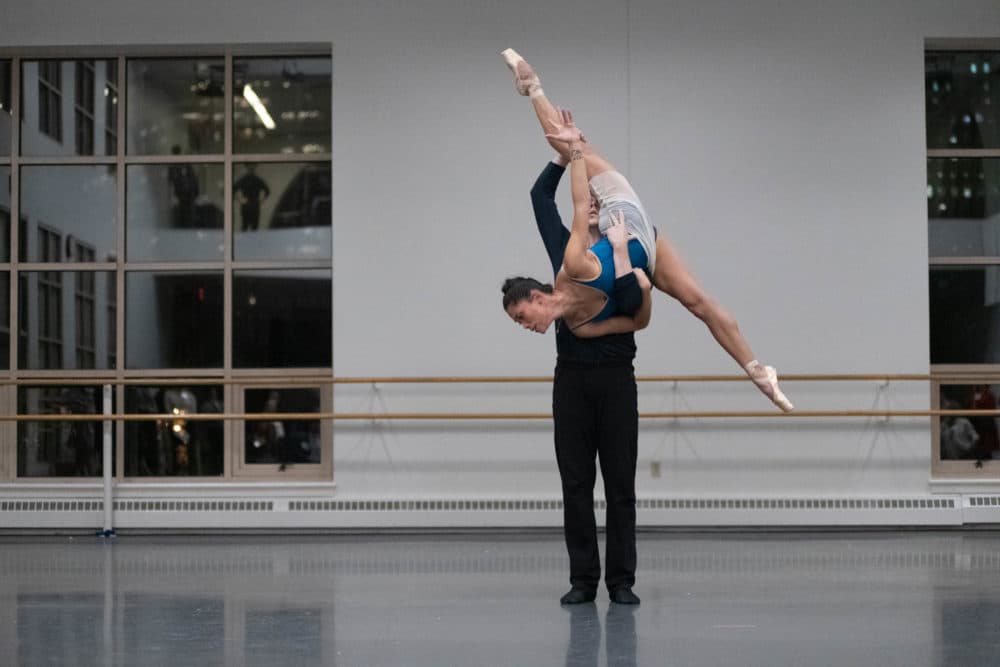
(674, 278)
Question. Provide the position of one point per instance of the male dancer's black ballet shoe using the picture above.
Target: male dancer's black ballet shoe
(578, 596)
(624, 595)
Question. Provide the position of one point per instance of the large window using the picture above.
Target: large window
(963, 212)
(178, 248)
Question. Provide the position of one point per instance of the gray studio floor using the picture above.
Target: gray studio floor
(870, 598)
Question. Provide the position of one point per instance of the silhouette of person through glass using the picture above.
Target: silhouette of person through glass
(251, 190)
(184, 184)
(958, 435)
(982, 398)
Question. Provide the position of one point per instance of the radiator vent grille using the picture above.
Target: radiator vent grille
(427, 505)
(984, 501)
(37, 505)
(194, 506)
(642, 503)
(796, 503)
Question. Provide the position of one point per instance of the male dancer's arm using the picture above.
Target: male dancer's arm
(543, 201)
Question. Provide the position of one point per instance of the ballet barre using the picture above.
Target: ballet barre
(475, 416)
(40, 381)
(479, 416)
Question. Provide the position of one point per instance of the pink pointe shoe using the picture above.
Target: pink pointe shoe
(525, 80)
(766, 379)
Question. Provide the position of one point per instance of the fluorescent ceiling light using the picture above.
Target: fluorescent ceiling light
(258, 106)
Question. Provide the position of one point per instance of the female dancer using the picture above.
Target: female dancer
(615, 200)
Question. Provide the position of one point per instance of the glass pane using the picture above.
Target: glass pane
(288, 440)
(175, 106)
(64, 106)
(61, 315)
(76, 204)
(178, 446)
(60, 448)
(6, 101)
(281, 105)
(969, 438)
(174, 212)
(5, 214)
(110, 107)
(965, 314)
(963, 207)
(959, 90)
(282, 319)
(173, 319)
(282, 211)
(4, 320)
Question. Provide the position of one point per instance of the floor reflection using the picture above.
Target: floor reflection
(756, 599)
(620, 640)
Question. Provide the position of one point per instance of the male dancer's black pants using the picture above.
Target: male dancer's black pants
(596, 416)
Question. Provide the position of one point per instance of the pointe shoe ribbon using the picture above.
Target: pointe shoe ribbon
(526, 81)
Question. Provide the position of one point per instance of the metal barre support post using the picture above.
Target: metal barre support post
(109, 505)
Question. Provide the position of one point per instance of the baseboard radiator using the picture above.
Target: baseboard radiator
(313, 513)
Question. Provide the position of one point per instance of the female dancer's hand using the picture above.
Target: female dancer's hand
(567, 131)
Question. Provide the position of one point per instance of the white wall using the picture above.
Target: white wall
(779, 144)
